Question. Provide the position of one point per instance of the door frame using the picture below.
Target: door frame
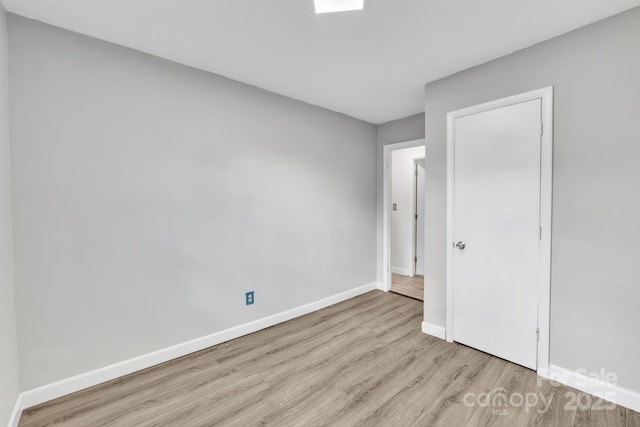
(546, 201)
(414, 209)
(386, 206)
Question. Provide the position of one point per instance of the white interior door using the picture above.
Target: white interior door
(419, 238)
(496, 225)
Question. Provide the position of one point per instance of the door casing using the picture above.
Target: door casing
(414, 223)
(546, 194)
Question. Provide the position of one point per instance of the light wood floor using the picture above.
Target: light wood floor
(412, 287)
(363, 362)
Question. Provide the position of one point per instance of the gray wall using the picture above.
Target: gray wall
(595, 273)
(150, 196)
(401, 130)
(8, 345)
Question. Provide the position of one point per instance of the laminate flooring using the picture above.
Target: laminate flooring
(412, 287)
(362, 362)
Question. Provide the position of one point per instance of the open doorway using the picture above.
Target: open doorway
(405, 203)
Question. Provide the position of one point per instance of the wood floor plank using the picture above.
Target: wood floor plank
(283, 338)
(329, 361)
(390, 320)
(127, 391)
(409, 404)
(551, 410)
(307, 408)
(512, 381)
(393, 373)
(363, 362)
(217, 406)
(632, 418)
(594, 412)
(308, 351)
(457, 404)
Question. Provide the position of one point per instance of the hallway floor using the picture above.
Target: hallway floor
(412, 287)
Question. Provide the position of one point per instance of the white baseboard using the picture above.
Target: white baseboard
(61, 388)
(597, 387)
(16, 413)
(380, 286)
(400, 271)
(436, 331)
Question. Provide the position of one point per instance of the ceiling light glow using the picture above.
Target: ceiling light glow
(328, 6)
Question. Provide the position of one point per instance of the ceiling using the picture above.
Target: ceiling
(369, 64)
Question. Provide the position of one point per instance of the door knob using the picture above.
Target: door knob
(460, 245)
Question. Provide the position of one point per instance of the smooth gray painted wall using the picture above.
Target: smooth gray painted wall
(149, 197)
(596, 203)
(401, 130)
(9, 387)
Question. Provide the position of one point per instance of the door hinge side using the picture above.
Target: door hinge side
(541, 128)
(540, 233)
(537, 334)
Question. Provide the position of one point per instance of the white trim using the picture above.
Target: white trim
(433, 330)
(61, 388)
(413, 207)
(386, 206)
(546, 213)
(400, 271)
(380, 286)
(546, 187)
(16, 413)
(596, 387)
(449, 243)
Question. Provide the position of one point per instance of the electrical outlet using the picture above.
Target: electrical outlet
(248, 298)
